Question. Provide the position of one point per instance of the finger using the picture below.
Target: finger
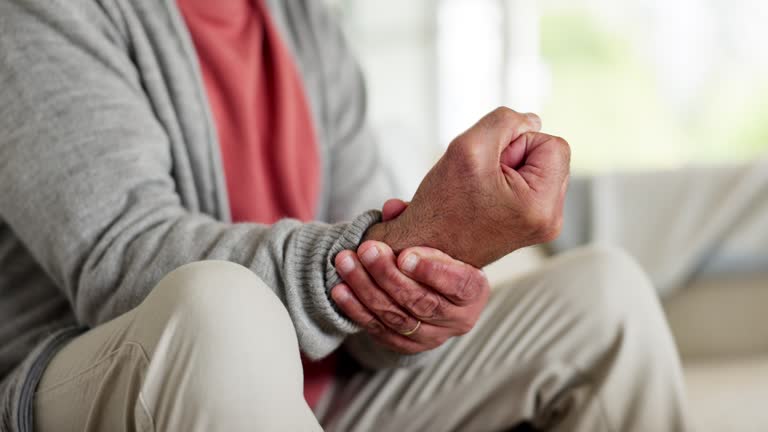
(513, 155)
(546, 165)
(502, 126)
(392, 209)
(535, 120)
(420, 301)
(412, 344)
(354, 310)
(371, 295)
(547, 157)
(426, 337)
(460, 283)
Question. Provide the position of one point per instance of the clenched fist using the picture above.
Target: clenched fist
(500, 186)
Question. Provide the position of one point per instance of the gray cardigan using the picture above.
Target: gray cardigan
(110, 177)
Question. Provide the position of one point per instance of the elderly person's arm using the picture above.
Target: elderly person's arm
(391, 302)
(89, 185)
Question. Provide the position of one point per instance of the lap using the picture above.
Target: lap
(531, 343)
(210, 342)
(87, 383)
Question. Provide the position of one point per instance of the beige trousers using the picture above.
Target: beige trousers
(580, 345)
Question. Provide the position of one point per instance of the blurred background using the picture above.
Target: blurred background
(632, 84)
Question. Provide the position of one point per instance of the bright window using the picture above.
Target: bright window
(632, 84)
(657, 83)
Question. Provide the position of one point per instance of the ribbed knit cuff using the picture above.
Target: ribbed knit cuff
(322, 327)
(318, 246)
(349, 239)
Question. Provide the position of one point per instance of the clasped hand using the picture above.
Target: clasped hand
(422, 289)
(500, 186)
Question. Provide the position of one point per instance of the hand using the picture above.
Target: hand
(433, 270)
(500, 186)
(423, 287)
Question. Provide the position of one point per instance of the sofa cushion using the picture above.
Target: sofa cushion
(723, 317)
(728, 394)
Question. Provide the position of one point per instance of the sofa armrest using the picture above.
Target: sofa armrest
(721, 317)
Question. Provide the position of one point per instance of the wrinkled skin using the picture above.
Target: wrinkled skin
(500, 186)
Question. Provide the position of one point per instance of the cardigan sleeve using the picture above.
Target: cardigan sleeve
(87, 181)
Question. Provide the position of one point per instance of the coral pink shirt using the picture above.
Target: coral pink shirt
(265, 128)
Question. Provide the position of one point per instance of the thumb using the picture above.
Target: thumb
(514, 155)
(392, 209)
(496, 130)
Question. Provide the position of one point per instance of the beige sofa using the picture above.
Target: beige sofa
(721, 328)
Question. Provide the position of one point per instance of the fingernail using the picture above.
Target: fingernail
(347, 264)
(340, 294)
(370, 255)
(536, 120)
(410, 262)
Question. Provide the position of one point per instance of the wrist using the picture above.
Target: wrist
(394, 233)
(404, 232)
(377, 232)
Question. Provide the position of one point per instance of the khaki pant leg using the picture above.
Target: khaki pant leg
(210, 349)
(580, 345)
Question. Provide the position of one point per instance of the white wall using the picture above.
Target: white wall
(675, 83)
(395, 43)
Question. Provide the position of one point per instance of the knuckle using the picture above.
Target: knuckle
(424, 305)
(502, 115)
(391, 274)
(464, 152)
(536, 219)
(367, 294)
(563, 147)
(377, 305)
(458, 146)
(467, 287)
(549, 226)
(551, 234)
(394, 319)
(374, 327)
(559, 141)
(557, 227)
(458, 142)
(544, 223)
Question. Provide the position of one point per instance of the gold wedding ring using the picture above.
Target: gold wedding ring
(413, 330)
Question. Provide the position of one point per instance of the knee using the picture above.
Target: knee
(214, 328)
(215, 295)
(619, 281)
(211, 281)
(611, 269)
(216, 287)
(606, 286)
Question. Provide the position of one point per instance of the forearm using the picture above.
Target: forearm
(294, 259)
(106, 249)
(113, 270)
(403, 233)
